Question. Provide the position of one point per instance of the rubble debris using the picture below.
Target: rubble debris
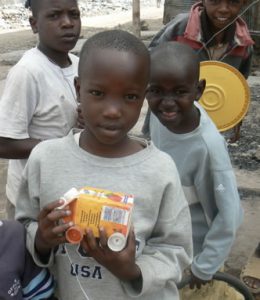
(15, 16)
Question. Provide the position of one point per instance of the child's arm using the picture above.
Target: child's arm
(168, 251)
(37, 283)
(50, 232)
(16, 149)
(222, 231)
(46, 234)
(20, 277)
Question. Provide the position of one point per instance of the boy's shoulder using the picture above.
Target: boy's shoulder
(178, 24)
(173, 28)
(33, 60)
(161, 163)
(47, 147)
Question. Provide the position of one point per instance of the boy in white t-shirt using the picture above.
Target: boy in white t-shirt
(39, 100)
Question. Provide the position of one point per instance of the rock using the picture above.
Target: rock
(144, 25)
(257, 154)
(253, 81)
(256, 73)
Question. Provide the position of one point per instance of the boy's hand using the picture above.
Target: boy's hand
(121, 264)
(197, 282)
(50, 232)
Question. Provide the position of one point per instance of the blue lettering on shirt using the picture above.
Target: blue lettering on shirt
(86, 271)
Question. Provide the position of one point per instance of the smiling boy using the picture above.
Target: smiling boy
(180, 127)
(113, 75)
(214, 30)
(39, 100)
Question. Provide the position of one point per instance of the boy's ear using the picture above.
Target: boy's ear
(200, 88)
(33, 23)
(77, 87)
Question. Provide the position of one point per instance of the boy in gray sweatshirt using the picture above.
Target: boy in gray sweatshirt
(113, 75)
(180, 127)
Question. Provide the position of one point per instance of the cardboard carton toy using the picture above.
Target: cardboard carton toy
(93, 208)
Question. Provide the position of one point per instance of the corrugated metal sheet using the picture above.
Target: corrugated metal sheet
(175, 7)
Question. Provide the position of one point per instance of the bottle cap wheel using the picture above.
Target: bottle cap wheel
(116, 242)
(74, 235)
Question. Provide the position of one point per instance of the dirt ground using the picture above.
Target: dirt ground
(245, 154)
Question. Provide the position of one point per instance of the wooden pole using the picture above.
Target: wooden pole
(136, 18)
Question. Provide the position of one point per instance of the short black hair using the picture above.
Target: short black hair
(177, 54)
(113, 39)
(34, 5)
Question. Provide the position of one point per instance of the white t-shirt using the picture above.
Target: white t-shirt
(39, 101)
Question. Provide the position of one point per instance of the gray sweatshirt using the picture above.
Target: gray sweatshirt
(161, 218)
(210, 187)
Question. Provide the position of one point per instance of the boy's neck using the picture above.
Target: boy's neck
(125, 147)
(60, 59)
(219, 38)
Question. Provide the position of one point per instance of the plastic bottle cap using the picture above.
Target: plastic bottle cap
(116, 242)
(74, 235)
(71, 194)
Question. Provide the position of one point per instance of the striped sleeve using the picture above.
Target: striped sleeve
(38, 283)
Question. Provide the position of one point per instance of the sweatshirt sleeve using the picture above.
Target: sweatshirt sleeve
(169, 250)
(222, 230)
(28, 205)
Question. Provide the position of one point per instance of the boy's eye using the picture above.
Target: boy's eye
(96, 93)
(53, 15)
(75, 14)
(131, 97)
(154, 91)
(180, 92)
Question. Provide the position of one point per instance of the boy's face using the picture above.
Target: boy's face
(58, 24)
(171, 93)
(111, 89)
(222, 12)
